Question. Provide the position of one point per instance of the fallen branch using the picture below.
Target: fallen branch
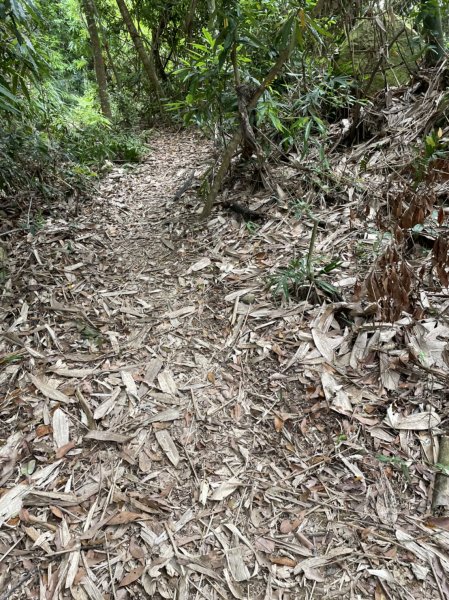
(247, 213)
(440, 499)
(21, 581)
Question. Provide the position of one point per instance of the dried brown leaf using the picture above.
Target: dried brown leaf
(49, 391)
(168, 446)
(106, 436)
(132, 576)
(124, 517)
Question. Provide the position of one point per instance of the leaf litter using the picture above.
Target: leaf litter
(172, 430)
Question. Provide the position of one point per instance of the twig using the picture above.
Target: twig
(25, 577)
(10, 549)
(310, 273)
(191, 465)
(86, 408)
(111, 575)
(437, 581)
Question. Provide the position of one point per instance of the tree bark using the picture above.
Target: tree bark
(156, 45)
(99, 66)
(433, 30)
(145, 57)
(237, 138)
(189, 20)
(212, 10)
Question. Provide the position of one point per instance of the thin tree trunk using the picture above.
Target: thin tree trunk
(237, 138)
(212, 10)
(107, 50)
(189, 20)
(99, 66)
(118, 81)
(145, 57)
(156, 45)
(433, 30)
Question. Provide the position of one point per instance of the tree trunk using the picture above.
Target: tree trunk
(212, 10)
(99, 66)
(237, 138)
(145, 57)
(433, 30)
(156, 45)
(189, 20)
(118, 81)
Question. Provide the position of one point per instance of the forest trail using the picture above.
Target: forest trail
(173, 432)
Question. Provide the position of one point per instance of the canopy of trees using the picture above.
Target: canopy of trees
(80, 80)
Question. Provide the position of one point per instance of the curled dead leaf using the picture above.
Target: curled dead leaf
(62, 451)
(283, 561)
(438, 522)
(132, 576)
(237, 412)
(43, 430)
(57, 512)
(278, 423)
(287, 526)
(225, 489)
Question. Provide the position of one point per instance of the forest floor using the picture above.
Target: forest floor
(172, 429)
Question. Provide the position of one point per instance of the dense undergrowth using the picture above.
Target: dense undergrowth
(50, 157)
(77, 91)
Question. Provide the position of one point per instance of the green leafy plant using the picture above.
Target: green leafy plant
(397, 462)
(251, 227)
(440, 468)
(206, 79)
(301, 209)
(301, 275)
(20, 62)
(302, 116)
(34, 222)
(10, 358)
(433, 148)
(287, 281)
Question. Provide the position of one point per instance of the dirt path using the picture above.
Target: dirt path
(166, 433)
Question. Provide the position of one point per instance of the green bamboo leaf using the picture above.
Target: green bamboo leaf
(6, 93)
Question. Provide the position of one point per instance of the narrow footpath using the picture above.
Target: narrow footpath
(172, 431)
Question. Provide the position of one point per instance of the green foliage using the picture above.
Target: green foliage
(209, 96)
(245, 43)
(251, 227)
(54, 161)
(441, 468)
(433, 147)
(301, 209)
(396, 461)
(296, 109)
(53, 138)
(20, 63)
(289, 280)
(301, 108)
(32, 163)
(296, 279)
(92, 145)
